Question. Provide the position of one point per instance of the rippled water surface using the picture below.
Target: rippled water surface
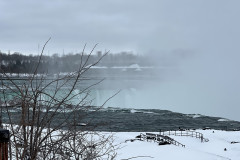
(118, 119)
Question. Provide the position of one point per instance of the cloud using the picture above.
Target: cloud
(128, 25)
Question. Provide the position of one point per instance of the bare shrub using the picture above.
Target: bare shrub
(45, 116)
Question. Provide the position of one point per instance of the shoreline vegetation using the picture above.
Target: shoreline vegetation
(18, 63)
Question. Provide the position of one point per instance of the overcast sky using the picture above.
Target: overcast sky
(209, 29)
(140, 26)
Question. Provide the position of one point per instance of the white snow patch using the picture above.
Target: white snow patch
(197, 116)
(134, 111)
(223, 119)
(195, 149)
(138, 69)
(134, 66)
(194, 115)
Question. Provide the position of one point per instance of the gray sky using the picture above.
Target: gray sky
(138, 25)
(209, 80)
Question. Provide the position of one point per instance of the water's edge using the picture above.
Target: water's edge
(131, 120)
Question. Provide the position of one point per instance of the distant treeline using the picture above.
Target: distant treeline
(19, 63)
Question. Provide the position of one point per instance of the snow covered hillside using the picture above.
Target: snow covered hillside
(194, 150)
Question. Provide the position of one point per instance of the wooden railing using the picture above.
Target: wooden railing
(158, 138)
(4, 140)
(185, 133)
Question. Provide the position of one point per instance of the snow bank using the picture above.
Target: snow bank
(195, 149)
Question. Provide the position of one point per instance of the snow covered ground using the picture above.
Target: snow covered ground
(194, 150)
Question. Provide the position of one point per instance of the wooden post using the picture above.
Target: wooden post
(1, 150)
(4, 139)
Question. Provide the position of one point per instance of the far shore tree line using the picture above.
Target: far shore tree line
(20, 63)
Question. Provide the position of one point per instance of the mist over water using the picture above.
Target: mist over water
(205, 83)
(210, 84)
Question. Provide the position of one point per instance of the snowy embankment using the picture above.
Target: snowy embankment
(214, 145)
(194, 148)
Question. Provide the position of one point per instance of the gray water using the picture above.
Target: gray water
(127, 119)
(144, 103)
